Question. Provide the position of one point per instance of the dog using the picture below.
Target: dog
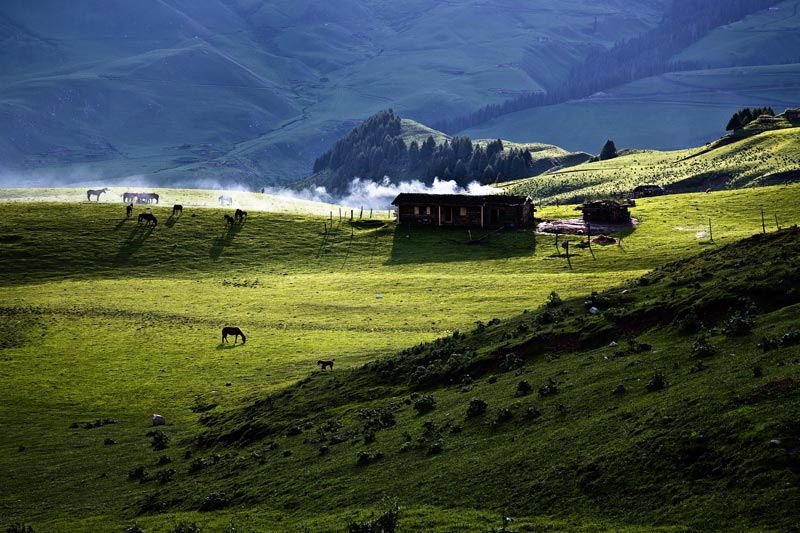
(324, 363)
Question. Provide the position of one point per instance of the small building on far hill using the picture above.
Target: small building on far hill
(643, 191)
(792, 114)
(461, 210)
(605, 211)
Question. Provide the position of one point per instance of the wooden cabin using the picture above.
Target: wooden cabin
(643, 191)
(605, 211)
(461, 210)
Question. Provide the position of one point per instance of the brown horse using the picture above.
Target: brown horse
(232, 330)
(229, 220)
(240, 215)
(177, 209)
(147, 218)
(129, 210)
(325, 362)
(96, 193)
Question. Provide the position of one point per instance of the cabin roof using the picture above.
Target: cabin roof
(459, 199)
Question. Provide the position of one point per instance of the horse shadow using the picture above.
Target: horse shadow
(133, 242)
(171, 220)
(224, 239)
(228, 346)
(121, 223)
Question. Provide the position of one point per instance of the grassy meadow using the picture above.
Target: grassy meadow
(104, 322)
(753, 157)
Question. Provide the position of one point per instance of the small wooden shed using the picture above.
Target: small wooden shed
(643, 191)
(462, 210)
(605, 211)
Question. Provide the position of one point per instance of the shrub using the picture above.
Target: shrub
(364, 458)
(737, 324)
(139, 473)
(425, 404)
(160, 440)
(387, 522)
(165, 476)
(152, 504)
(532, 413)
(657, 382)
(549, 388)
(702, 347)
(436, 447)
(186, 528)
(554, 300)
(214, 501)
(504, 414)
(476, 407)
(163, 460)
(524, 388)
(134, 529)
(19, 528)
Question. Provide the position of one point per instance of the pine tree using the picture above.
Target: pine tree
(609, 150)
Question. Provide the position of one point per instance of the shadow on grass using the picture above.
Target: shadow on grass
(224, 239)
(135, 240)
(419, 244)
(226, 346)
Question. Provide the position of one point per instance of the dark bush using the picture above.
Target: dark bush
(160, 440)
(387, 522)
(163, 460)
(139, 473)
(524, 388)
(702, 347)
(657, 382)
(214, 501)
(19, 528)
(152, 504)
(549, 388)
(165, 476)
(554, 300)
(532, 413)
(504, 414)
(186, 528)
(425, 404)
(476, 407)
(737, 324)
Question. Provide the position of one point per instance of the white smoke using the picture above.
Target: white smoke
(379, 195)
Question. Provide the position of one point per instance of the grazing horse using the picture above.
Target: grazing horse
(225, 200)
(148, 218)
(129, 197)
(177, 208)
(232, 330)
(240, 215)
(229, 220)
(96, 193)
(323, 363)
(147, 197)
(129, 210)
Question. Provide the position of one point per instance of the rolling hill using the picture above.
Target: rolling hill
(250, 93)
(105, 322)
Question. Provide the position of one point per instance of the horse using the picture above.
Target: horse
(229, 220)
(147, 197)
(128, 197)
(232, 330)
(324, 362)
(240, 215)
(129, 210)
(96, 193)
(148, 218)
(177, 208)
(225, 200)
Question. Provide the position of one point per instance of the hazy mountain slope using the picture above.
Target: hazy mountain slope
(663, 112)
(770, 36)
(273, 85)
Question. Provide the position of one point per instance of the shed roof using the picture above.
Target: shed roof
(459, 199)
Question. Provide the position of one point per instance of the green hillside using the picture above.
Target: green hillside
(670, 111)
(104, 322)
(757, 155)
(771, 36)
(250, 92)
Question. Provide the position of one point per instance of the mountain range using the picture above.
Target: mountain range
(228, 92)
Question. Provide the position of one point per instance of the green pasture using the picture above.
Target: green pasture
(746, 162)
(105, 320)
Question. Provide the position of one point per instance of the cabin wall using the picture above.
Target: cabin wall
(473, 216)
